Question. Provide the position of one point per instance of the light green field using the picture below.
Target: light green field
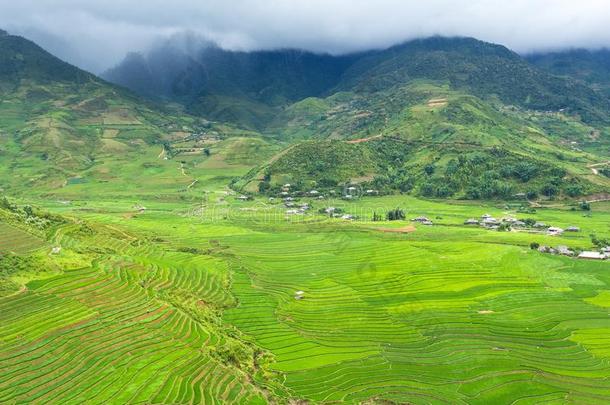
(446, 314)
(192, 300)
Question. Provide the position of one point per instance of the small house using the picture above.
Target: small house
(428, 223)
(540, 225)
(565, 251)
(314, 192)
(471, 221)
(554, 231)
(329, 210)
(420, 219)
(485, 216)
(590, 255)
(299, 295)
(572, 229)
(490, 221)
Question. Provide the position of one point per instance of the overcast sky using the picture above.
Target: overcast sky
(96, 34)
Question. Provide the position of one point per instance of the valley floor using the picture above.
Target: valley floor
(230, 301)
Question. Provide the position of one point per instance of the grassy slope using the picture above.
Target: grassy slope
(436, 124)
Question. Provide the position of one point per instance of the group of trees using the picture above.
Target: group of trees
(29, 215)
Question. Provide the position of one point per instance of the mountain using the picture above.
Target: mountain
(58, 123)
(587, 66)
(441, 117)
(241, 87)
(445, 117)
(251, 88)
(479, 68)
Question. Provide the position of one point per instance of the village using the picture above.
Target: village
(294, 207)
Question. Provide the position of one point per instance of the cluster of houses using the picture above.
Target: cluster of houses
(489, 222)
(602, 254)
(285, 192)
(294, 208)
(349, 193)
(333, 213)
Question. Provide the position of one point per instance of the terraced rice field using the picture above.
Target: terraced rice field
(443, 314)
(13, 239)
(423, 322)
(108, 334)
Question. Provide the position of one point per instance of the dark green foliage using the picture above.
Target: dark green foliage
(534, 245)
(599, 242)
(395, 215)
(480, 68)
(585, 206)
(592, 67)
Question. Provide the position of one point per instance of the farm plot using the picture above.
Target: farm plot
(15, 240)
(422, 321)
(120, 331)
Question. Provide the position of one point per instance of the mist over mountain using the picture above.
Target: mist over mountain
(249, 87)
(229, 85)
(589, 66)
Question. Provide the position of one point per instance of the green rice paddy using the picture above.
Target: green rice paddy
(194, 301)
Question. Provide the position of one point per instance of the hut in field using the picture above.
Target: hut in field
(299, 295)
(565, 251)
(554, 231)
(591, 255)
(471, 221)
(420, 219)
(572, 229)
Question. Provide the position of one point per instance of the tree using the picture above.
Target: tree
(263, 186)
(550, 190)
(534, 245)
(395, 215)
(377, 217)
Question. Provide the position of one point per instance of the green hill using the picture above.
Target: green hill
(589, 67)
(436, 142)
(61, 126)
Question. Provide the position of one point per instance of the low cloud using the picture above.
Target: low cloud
(96, 34)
